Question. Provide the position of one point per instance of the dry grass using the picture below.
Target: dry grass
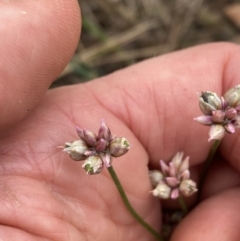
(118, 33)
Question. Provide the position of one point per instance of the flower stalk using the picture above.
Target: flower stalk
(183, 205)
(129, 206)
(208, 163)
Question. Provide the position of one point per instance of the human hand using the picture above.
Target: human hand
(46, 195)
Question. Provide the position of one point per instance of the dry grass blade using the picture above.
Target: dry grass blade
(129, 55)
(116, 41)
(116, 32)
(184, 13)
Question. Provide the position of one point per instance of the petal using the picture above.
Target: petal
(104, 132)
(184, 165)
(231, 113)
(175, 193)
(80, 132)
(204, 120)
(101, 145)
(230, 128)
(185, 175)
(177, 159)
(172, 181)
(107, 159)
(164, 167)
(172, 170)
(216, 132)
(90, 137)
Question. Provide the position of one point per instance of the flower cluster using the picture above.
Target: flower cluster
(221, 113)
(173, 179)
(96, 150)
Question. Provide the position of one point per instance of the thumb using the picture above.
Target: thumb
(39, 39)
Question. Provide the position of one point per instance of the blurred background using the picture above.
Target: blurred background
(119, 33)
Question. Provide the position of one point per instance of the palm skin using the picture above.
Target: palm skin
(47, 196)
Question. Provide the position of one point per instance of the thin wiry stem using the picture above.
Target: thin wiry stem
(129, 206)
(183, 205)
(207, 164)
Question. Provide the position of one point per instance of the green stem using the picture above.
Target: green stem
(182, 205)
(129, 206)
(208, 162)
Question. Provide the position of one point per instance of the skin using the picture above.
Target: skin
(47, 196)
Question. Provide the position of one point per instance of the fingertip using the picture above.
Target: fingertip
(213, 219)
(39, 39)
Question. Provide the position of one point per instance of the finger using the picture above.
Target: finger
(157, 98)
(214, 219)
(38, 39)
(221, 177)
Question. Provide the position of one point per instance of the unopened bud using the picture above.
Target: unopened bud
(177, 160)
(216, 132)
(208, 102)
(204, 120)
(90, 137)
(188, 187)
(230, 128)
(155, 177)
(101, 145)
(174, 193)
(231, 113)
(232, 96)
(93, 165)
(76, 149)
(172, 181)
(104, 132)
(184, 165)
(107, 159)
(218, 116)
(162, 190)
(119, 146)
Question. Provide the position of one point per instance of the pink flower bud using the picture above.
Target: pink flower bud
(218, 116)
(184, 165)
(185, 175)
(231, 113)
(177, 159)
(106, 158)
(172, 170)
(204, 120)
(104, 132)
(164, 167)
(101, 145)
(175, 193)
(172, 181)
(90, 137)
(80, 132)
